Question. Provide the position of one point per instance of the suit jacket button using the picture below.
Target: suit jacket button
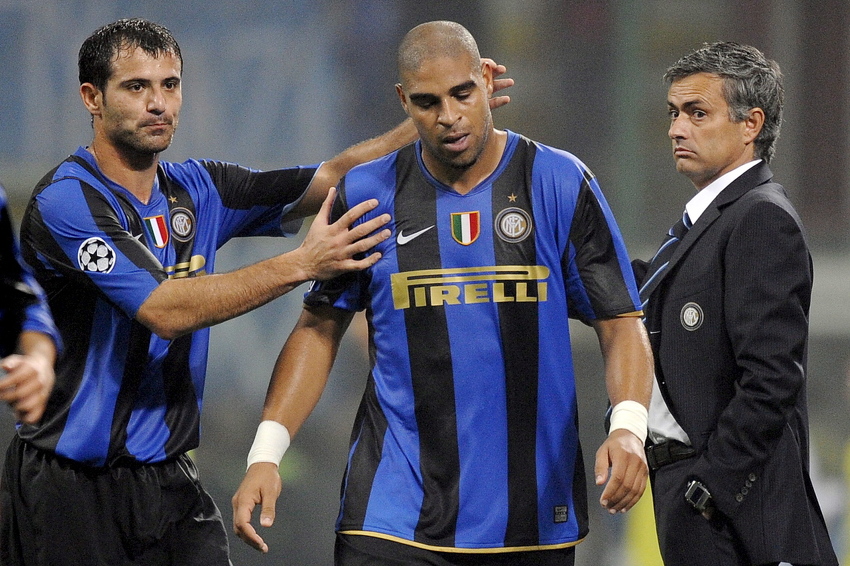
(748, 483)
(745, 491)
(739, 498)
(752, 477)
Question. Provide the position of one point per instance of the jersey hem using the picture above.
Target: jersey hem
(489, 550)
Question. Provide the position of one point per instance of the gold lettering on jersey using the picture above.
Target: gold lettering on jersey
(192, 268)
(496, 284)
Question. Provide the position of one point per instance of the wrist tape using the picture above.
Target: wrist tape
(631, 416)
(270, 443)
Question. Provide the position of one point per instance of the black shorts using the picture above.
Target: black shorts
(55, 511)
(364, 550)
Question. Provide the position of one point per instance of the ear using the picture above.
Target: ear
(92, 98)
(753, 124)
(401, 96)
(487, 74)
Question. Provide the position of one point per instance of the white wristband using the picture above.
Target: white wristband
(631, 416)
(270, 443)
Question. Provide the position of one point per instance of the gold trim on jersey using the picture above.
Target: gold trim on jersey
(192, 268)
(496, 550)
(435, 287)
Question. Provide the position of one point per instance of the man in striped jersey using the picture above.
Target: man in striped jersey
(119, 240)
(465, 449)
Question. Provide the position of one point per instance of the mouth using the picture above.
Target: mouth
(456, 142)
(680, 151)
(157, 125)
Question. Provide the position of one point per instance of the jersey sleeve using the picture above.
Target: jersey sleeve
(253, 202)
(599, 278)
(78, 232)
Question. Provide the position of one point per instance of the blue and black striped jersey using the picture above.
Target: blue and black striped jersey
(467, 435)
(123, 393)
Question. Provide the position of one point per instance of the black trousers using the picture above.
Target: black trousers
(55, 512)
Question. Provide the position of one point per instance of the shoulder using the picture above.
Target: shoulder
(373, 179)
(767, 200)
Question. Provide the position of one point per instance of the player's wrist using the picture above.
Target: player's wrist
(632, 416)
(270, 443)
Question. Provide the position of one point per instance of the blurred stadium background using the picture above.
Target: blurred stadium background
(271, 83)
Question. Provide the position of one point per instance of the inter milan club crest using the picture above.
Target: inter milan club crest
(466, 226)
(691, 316)
(513, 225)
(182, 224)
(158, 230)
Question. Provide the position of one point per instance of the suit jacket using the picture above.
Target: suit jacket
(728, 324)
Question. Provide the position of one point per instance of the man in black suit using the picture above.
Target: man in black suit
(727, 303)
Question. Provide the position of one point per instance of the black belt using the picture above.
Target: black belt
(667, 452)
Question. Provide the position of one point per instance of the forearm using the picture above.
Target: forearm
(180, 306)
(303, 366)
(628, 359)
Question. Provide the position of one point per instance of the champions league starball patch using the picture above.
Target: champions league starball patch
(691, 316)
(95, 256)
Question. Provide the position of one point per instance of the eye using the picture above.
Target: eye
(699, 114)
(672, 114)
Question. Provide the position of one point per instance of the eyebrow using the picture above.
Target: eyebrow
(687, 105)
(420, 97)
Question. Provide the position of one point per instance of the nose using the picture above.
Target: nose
(676, 130)
(448, 113)
(156, 101)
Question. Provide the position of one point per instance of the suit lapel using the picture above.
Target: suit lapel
(751, 178)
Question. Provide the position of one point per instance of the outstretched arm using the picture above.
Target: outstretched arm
(297, 383)
(628, 376)
(180, 306)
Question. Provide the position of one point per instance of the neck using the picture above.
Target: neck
(464, 180)
(135, 172)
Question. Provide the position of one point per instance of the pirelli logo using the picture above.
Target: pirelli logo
(496, 284)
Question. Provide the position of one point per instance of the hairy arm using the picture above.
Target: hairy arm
(180, 306)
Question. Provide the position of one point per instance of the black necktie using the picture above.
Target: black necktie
(665, 252)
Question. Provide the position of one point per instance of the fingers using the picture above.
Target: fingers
(261, 485)
(242, 526)
(499, 101)
(324, 214)
(24, 388)
(623, 453)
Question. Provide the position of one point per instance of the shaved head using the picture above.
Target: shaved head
(434, 40)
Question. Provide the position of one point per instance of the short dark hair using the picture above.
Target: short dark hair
(751, 80)
(101, 48)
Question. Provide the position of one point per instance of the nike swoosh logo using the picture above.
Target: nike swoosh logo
(402, 239)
